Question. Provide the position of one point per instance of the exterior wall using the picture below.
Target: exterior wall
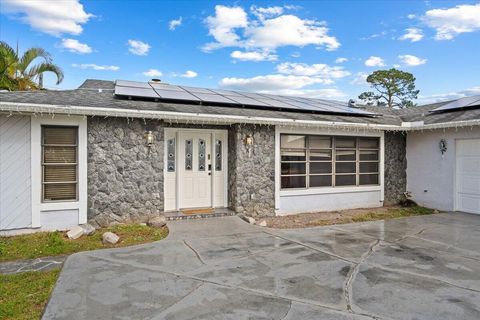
(125, 176)
(431, 177)
(328, 198)
(15, 174)
(251, 181)
(395, 166)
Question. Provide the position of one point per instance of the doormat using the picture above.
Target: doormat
(198, 211)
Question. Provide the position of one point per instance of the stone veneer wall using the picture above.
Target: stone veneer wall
(251, 181)
(125, 177)
(395, 167)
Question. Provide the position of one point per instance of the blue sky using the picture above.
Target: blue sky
(309, 48)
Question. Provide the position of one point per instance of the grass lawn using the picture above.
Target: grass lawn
(306, 220)
(24, 295)
(45, 244)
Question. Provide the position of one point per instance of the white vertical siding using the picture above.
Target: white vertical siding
(15, 180)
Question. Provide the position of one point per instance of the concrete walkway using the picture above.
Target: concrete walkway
(424, 267)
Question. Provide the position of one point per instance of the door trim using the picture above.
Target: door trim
(174, 132)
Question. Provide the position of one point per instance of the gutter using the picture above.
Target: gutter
(180, 117)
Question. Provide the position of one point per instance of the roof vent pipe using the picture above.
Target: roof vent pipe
(155, 80)
(352, 103)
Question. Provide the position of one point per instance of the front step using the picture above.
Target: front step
(173, 216)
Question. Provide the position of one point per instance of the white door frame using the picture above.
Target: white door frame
(174, 132)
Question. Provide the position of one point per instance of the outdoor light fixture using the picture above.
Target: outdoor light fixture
(149, 137)
(248, 140)
(443, 146)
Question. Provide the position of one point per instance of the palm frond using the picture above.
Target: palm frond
(30, 55)
(38, 69)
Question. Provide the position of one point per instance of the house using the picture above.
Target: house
(117, 151)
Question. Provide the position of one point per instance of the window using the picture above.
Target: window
(59, 163)
(328, 161)
(171, 155)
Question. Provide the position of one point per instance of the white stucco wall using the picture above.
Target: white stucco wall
(431, 178)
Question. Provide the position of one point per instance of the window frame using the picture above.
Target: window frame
(43, 164)
(333, 160)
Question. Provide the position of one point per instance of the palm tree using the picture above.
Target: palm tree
(16, 72)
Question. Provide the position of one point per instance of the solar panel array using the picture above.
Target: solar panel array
(467, 102)
(167, 92)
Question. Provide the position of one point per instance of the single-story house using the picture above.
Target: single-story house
(116, 151)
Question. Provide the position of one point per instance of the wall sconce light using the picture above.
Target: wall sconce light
(248, 140)
(443, 146)
(149, 137)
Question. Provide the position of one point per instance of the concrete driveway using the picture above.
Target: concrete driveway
(223, 268)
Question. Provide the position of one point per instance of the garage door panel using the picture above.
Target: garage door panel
(469, 185)
(468, 175)
(468, 147)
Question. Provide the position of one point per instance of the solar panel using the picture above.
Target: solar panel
(467, 102)
(211, 97)
(245, 100)
(165, 86)
(196, 90)
(136, 92)
(134, 84)
(165, 91)
(176, 95)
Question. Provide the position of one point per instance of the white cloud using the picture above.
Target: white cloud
(411, 16)
(152, 73)
(138, 47)
(296, 54)
(314, 70)
(290, 30)
(253, 55)
(52, 17)
(271, 82)
(360, 78)
(222, 26)
(411, 60)
(341, 60)
(96, 67)
(423, 99)
(189, 74)
(266, 12)
(231, 27)
(374, 61)
(75, 46)
(451, 22)
(173, 24)
(281, 84)
(412, 34)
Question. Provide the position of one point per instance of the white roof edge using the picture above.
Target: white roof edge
(213, 118)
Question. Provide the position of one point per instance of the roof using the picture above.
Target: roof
(94, 96)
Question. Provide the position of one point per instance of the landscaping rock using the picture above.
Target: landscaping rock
(88, 229)
(262, 223)
(249, 219)
(75, 232)
(110, 238)
(157, 222)
(436, 211)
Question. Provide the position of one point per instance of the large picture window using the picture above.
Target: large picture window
(59, 163)
(311, 161)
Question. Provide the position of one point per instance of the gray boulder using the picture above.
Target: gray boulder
(88, 229)
(110, 238)
(157, 222)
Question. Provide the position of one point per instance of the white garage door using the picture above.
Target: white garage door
(468, 175)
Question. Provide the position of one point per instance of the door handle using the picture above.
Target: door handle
(209, 167)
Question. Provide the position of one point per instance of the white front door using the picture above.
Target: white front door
(468, 175)
(194, 170)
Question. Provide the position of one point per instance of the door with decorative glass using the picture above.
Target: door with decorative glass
(194, 170)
